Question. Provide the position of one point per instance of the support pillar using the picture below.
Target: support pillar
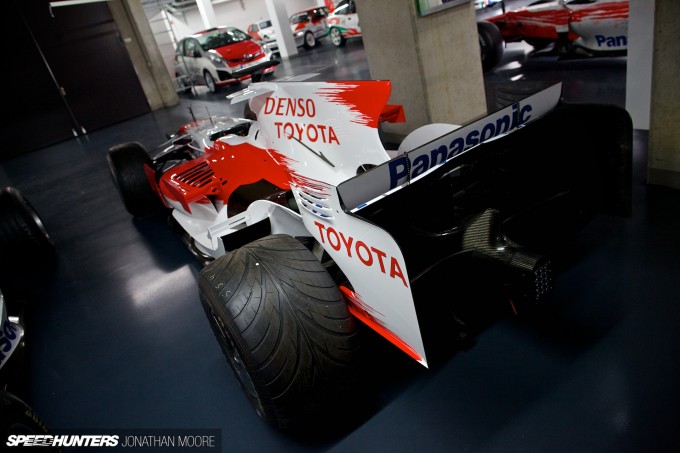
(207, 12)
(663, 161)
(136, 33)
(433, 62)
(284, 36)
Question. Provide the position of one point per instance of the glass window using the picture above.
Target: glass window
(345, 7)
(319, 13)
(190, 47)
(299, 18)
(221, 37)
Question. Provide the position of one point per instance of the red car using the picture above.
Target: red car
(594, 27)
(214, 57)
(309, 26)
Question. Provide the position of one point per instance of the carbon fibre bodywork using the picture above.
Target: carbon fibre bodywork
(500, 217)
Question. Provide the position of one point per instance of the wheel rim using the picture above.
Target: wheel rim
(336, 36)
(210, 82)
(310, 39)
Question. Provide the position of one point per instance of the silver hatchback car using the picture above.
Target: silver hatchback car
(209, 58)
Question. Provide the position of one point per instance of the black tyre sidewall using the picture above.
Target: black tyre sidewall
(491, 45)
(317, 379)
(23, 236)
(16, 417)
(341, 41)
(210, 82)
(306, 44)
(126, 165)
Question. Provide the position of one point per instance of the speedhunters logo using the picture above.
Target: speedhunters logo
(46, 440)
(417, 162)
(191, 440)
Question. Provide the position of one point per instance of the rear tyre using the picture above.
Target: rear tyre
(336, 37)
(284, 329)
(17, 418)
(126, 164)
(309, 40)
(23, 236)
(490, 44)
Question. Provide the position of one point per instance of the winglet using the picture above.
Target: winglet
(255, 89)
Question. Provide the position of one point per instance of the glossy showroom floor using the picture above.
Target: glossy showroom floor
(117, 338)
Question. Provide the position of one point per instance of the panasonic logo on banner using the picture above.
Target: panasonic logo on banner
(458, 141)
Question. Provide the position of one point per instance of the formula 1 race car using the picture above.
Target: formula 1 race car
(590, 27)
(306, 223)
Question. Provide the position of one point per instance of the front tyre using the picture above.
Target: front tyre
(210, 82)
(126, 164)
(283, 327)
(18, 419)
(336, 37)
(309, 40)
(490, 44)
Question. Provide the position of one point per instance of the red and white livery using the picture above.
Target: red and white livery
(306, 223)
(594, 26)
(343, 23)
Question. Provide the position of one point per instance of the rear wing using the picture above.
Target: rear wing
(412, 165)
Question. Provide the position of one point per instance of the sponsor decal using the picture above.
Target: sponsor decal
(385, 179)
(299, 108)
(611, 41)
(401, 169)
(368, 255)
(10, 335)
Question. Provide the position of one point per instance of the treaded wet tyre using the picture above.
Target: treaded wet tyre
(17, 418)
(23, 236)
(126, 164)
(283, 327)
